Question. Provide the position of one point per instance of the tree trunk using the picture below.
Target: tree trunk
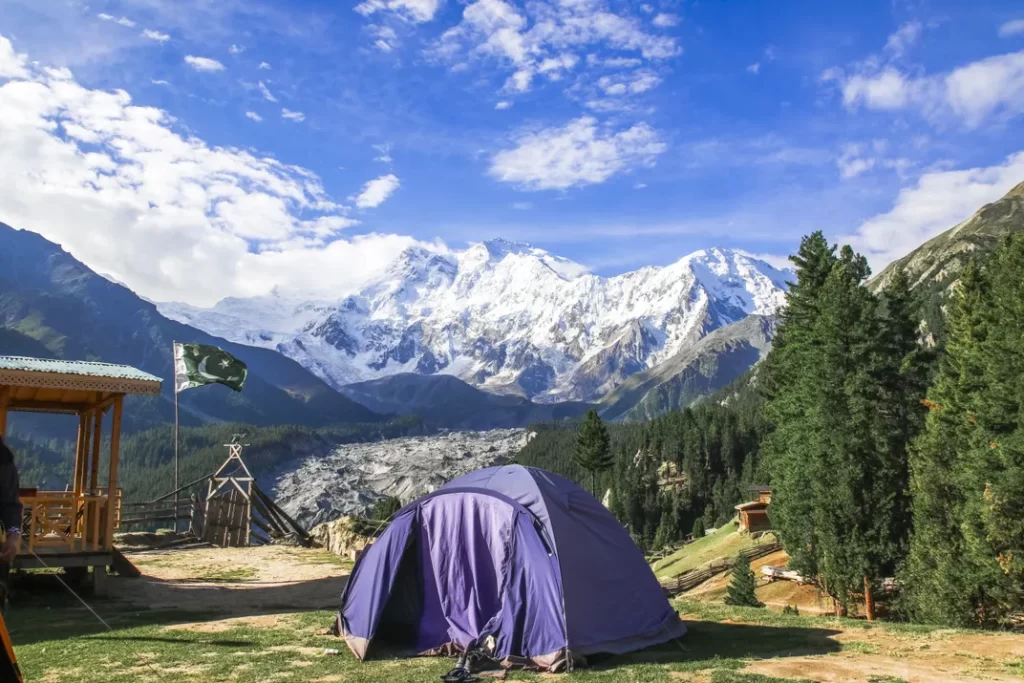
(593, 483)
(869, 600)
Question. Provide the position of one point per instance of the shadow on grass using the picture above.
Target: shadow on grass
(42, 609)
(708, 643)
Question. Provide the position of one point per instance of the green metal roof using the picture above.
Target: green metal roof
(76, 367)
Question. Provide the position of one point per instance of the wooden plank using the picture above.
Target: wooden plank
(79, 458)
(49, 406)
(82, 559)
(97, 436)
(115, 451)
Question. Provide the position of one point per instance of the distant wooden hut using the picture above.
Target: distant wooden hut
(754, 515)
(75, 527)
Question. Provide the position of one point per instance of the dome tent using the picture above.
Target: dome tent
(514, 553)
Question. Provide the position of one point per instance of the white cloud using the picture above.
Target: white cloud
(639, 186)
(577, 154)
(236, 49)
(886, 90)
(159, 81)
(852, 163)
(770, 53)
(754, 68)
(666, 20)
(545, 37)
(155, 35)
(635, 83)
(122, 21)
(203, 63)
(522, 206)
(903, 39)
(622, 62)
(973, 93)
(264, 66)
(1012, 28)
(412, 10)
(265, 91)
(377, 191)
(503, 104)
(253, 115)
(938, 201)
(384, 154)
(386, 38)
(159, 209)
(296, 116)
(12, 64)
(647, 8)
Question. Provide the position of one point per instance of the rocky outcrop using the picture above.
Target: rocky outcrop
(340, 537)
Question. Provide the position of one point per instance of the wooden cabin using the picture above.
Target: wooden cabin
(754, 515)
(74, 527)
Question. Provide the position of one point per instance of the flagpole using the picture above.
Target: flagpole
(175, 362)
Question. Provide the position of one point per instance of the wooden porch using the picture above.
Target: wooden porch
(74, 527)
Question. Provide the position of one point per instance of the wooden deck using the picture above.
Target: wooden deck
(67, 530)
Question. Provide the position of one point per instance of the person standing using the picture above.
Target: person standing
(10, 508)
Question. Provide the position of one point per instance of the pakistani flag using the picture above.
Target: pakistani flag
(196, 365)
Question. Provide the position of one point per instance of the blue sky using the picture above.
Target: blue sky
(616, 134)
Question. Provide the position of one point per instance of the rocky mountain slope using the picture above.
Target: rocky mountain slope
(935, 265)
(448, 402)
(504, 317)
(707, 366)
(52, 305)
(354, 476)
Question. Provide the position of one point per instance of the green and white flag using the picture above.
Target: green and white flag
(196, 365)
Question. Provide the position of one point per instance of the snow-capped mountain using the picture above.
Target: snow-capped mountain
(504, 316)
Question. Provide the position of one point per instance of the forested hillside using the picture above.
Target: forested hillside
(147, 457)
(704, 458)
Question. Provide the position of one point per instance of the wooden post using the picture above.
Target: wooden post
(79, 456)
(869, 600)
(97, 434)
(115, 448)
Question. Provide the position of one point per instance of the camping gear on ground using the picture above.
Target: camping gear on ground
(514, 560)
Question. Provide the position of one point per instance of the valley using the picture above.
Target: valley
(351, 478)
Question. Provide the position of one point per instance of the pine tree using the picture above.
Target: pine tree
(741, 589)
(792, 448)
(941, 576)
(593, 448)
(698, 528)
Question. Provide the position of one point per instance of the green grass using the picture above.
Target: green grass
(59, 641)
(234, 574)
(56, 639)
(725, 542)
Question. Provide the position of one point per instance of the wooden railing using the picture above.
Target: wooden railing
(695, 577)
(61, 521)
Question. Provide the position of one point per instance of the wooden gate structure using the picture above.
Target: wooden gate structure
(227, 518)
(73, 528)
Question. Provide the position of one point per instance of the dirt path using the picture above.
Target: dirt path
(235, 581)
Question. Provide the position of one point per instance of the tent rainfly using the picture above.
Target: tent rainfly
(514, 554)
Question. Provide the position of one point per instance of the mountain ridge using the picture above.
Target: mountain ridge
(504, 316)
(50, 300)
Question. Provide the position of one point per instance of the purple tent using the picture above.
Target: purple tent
(513, 553)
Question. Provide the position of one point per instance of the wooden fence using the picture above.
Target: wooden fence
(695, 577)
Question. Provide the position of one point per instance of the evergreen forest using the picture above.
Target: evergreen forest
(890, 454)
